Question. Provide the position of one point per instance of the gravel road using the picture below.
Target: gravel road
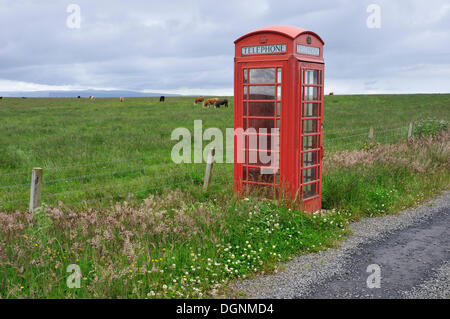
(412, 250)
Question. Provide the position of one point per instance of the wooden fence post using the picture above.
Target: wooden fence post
(209, 166)
(36, 188)
(410, 130)
(371, 133)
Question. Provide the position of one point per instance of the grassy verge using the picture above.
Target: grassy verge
(182, 244)
(387, 178)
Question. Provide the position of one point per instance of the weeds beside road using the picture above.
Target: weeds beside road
(409, 249)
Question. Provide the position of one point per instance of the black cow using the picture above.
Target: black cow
(78, 97)
(223, 102)
(162, 98)
(1, 97)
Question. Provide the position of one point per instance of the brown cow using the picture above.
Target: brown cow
(209, 102)
(331, 93)
(199, 99)
(122, 99)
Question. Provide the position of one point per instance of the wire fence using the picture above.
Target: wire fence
(117, 179)
(368, 135)
(113, 185)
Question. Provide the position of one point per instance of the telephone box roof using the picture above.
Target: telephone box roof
(289, 31)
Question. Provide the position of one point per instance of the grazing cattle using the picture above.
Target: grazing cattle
(199, 99)
(162, 98)
(209, 102)
(223, 102)
(78, 97)
(331, 93)
(92, 97)
(122, 99)
(1, 97)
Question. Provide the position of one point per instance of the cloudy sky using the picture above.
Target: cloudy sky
(187, 46)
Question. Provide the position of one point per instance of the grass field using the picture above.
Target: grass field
(182, 242)
(103, 150)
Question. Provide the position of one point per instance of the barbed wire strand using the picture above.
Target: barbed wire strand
(377, 134)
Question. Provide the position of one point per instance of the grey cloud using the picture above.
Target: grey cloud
(145, 45)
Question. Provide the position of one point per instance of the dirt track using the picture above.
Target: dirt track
(412, 249)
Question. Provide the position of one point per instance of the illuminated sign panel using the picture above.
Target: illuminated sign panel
(303, 49)
(264, 49)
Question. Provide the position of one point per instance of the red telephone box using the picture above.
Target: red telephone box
(278, 115)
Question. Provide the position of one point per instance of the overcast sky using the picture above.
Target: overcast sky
(187, 46)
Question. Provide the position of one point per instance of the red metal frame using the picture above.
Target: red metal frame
(312, 202)
(290, 120)
(244, 117)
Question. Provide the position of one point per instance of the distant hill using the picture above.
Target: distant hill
(83, 93)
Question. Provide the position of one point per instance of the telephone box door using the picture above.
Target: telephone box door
(260, 100)
(311, 134)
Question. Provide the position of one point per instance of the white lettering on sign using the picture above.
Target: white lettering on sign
(264, 49)
(303, 49)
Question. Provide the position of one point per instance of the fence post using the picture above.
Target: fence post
(36, 188)
(209, 166)
(410, 130)
(371, 133)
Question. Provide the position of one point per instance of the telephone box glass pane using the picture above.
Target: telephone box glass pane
(279, 75)
(245, 108)
(260, 141)
(311, 77)
(311, 93)
(310, 142)
(245, 76)
(262, 75)
(277, 139)
(278, 109)
(310, 158)
(275, 160)
(261, 109)
(310, 174)
(268, 170)
(263, 92)
(260, 124)
(309, 190)
(279, 92)
(310, 126)
(310, 110)
(245, 93)
(254, 175)
(263, 158)
(261, 190)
